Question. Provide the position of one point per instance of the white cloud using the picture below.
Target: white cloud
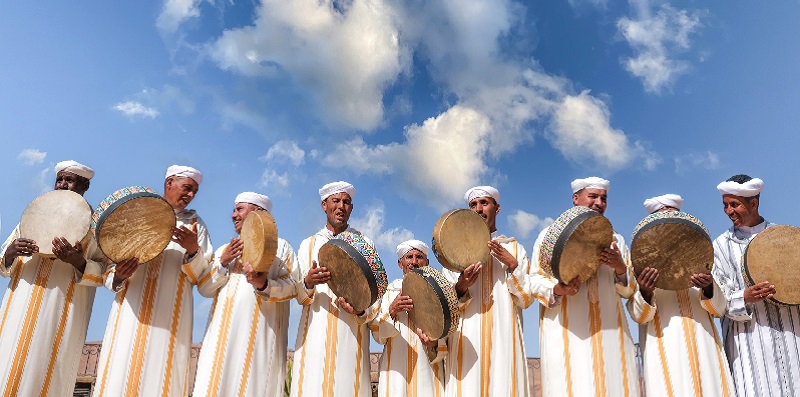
(133, 109)
(43, 181)
(272, 179)
(175, 12)
(31, 156)
(524, 224)
(708, 160)
(283, 159)
(343, 55)
(372, 226)
(285, 150)
(656, 39)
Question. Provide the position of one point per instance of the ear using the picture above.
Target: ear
(574, 198)
(498, 208)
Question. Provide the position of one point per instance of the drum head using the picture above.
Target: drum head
(260, 237)
(60, 213)
(351, 274)
(572, 244)
(435, 302)
(460, 239)
(135, 225)
(774, 255)
(675, 245)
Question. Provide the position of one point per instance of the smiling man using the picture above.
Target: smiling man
(761, 339)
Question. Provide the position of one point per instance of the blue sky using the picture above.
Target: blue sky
(413, 102)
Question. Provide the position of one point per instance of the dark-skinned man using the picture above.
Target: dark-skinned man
(47, 304)
(332, 348)
(149, 333)
(585, 342)
(761, 339)
(681, 350)
(486, 354)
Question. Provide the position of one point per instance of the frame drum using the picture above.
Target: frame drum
(460, 238)
(572, 244)
(357, 273)
(675, 243)
(60, 213)
(774, 255)
(260, 237)
(435, 302)
(133, 222)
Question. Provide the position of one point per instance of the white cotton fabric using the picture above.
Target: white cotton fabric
(409, 245)
(654, 204)
(258, 199)
(481, 191)
(750, 188)
(591, 182)
(184, 172)
(75, 168)
(337, 187)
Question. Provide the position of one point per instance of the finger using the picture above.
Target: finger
(194, 225)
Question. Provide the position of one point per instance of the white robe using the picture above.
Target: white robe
(148, 338)
(332, 349)
(762, 340)
(244, 348)
(681, 349)
(407, 367)
(486, 354)
(585, 342)
(46, 309)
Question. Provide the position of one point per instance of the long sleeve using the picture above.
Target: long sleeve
(215, 276)
(198, 264)
(725, 273)
(716, 304)
(641, 311)
(92, 275)
(383, 327)
(281, 285)
(7, 269)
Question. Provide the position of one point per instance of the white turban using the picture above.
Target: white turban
(481, 191)
(748, 189)
(260, 200)
(409, 245)
(591, 182)
(337, 187)
(184, 172)
(668, 200)
(75, 168)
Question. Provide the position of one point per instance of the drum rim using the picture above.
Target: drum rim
(566, 233)
(746, 270)
(362, 263)
(442, 300)
(124, 199)
(663, 220)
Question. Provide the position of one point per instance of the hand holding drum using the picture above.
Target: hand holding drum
(357, 275)
(55, 220)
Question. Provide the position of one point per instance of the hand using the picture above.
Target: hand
(347, 307)
(467, 278)
(232, 251)
(257, 279)
(401, 303)
(705, 282)
(20, 247)
(759, 292)
(647, 283)
(502, 254)
(125, 269)
(568, 289)
(428, 342)
(68, 253)
(316, 275)
(612, 258)
(187, 237)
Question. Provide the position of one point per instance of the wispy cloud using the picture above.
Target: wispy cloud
(657, 36)
(135, 109)
(282, 158)
(43, 181)
(286, 150)
(371, 224)
(31, 156)
(525, 224)
(685, 162)
(175, 12)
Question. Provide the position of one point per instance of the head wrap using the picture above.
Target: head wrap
(750, 188)
(260, 200)
(668, 200)
(409, 245)
(591, 182)
(482, 191)
(337, 187)
(75, 168)
(184, 172)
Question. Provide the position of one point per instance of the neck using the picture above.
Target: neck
(757, 220)
(336, 230)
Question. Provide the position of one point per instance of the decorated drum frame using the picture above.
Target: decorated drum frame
(554, 249)
(447, 299)
(376, 274)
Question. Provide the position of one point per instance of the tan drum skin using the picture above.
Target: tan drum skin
(260, 237)
(460, 238)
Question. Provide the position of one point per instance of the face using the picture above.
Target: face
(667, 209)
(337, 209)
(240, 212)
(591, 198)
(413, 259)
(180, 191)
(487, 208)
(741, 211)
(66, 180)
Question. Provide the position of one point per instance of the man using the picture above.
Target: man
(761, 339)
(244, 349)
(585, 342)
(149, 333)
(681, 350)
(47, 304)
(487, 353)
(332, 349)
(411, 363)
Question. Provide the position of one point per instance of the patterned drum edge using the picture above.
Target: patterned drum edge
(112, 199)
(552, 241)
(666, 216)
(446, 293)
(748, 279)
(370, 255)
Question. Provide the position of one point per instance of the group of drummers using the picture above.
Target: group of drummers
(455, 331)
